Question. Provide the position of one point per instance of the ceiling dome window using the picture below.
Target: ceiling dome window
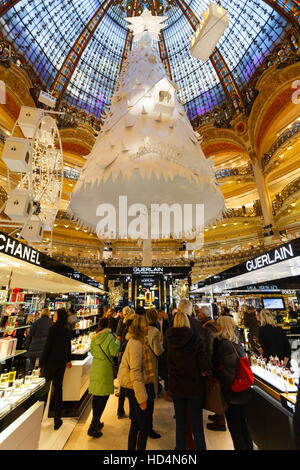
(45, 31)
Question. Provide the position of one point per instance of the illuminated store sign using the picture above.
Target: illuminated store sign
(14, 248)
(147, 270)
(275, 256)
(286, 252)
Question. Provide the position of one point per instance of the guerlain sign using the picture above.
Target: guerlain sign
(275, 256)
(147, 270)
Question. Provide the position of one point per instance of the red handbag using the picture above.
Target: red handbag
(244, 376)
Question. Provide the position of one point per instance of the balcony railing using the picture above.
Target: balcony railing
(242, 171)
(292, 188)
(243, 211)
(282, 139)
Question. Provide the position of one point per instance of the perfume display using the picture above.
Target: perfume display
(275, 372)
(12, 375)
(81, 344)
(4, 380)
(15, 389)
(84, 324)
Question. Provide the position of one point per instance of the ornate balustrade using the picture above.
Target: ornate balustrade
(283, 197)
(242, 212)
(242, 172)
(282, 139)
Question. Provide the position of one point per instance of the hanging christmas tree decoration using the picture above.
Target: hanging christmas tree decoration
(146, 176)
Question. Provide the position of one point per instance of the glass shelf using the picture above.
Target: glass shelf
(13, 328)
(17, 353)
(16, 400)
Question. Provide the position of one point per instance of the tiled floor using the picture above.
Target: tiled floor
(73, 434)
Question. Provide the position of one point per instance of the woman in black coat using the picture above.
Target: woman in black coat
(226, 348)
(272, 338)
(186, 362)
(37, 337)
(55, 358)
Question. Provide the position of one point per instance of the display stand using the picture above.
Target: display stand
(270, 418)
(75, 389)
(24, 432)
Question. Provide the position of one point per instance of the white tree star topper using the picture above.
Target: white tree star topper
(146, 22)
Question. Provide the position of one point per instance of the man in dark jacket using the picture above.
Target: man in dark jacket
(210, 331)
(251, 322)
(37, 337)
(187, 362)
(163, 325)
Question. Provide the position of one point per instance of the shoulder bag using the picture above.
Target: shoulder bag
(244, 376)
(114, 367)
(213, 396)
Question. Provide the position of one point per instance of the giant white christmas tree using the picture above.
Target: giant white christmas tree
(147, 150)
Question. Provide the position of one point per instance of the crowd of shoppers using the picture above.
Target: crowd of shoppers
(180, 349)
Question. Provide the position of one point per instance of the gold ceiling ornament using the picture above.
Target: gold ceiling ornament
(114, 296)
(180, 290)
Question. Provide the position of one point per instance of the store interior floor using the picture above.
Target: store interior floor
(73, 433)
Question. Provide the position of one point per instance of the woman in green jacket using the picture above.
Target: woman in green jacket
(103, 347)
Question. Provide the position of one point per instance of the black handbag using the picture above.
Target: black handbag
(114, 367)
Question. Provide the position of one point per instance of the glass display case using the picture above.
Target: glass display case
(80, 347)
(18, 393)
(271, 409)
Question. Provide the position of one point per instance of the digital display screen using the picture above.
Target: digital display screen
(273, 303)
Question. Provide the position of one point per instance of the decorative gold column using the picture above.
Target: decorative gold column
(264, 196)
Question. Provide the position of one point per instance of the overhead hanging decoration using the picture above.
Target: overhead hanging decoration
(35, 172)
(210, 30)
(146, 152)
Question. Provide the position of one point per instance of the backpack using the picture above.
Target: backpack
(244, 376)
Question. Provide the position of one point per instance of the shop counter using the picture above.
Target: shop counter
(270, 415)
(75, 388)
(76, 379)
(21, 417)
(24, 432)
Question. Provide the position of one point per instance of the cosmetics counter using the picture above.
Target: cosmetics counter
(271, 409)
(76, 379)
(76, 383)
(22, 394)
(22, 401)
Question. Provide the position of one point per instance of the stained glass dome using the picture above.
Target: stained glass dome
(77, 47)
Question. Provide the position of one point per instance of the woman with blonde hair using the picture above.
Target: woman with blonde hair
(122, 331)
(156, 350)
(186, 362)
(136, 375)
(272, 338)
(227, 349)
(185, 306)
(37, 337)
